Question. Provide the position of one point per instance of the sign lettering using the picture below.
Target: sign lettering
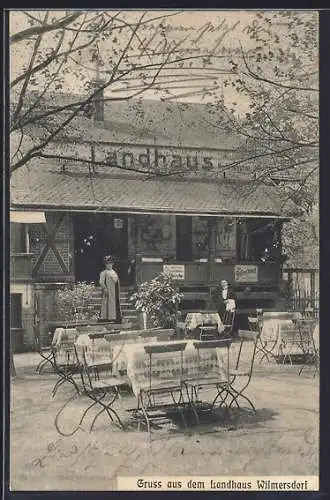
(246, 274)
(175, 270)
(159, 158)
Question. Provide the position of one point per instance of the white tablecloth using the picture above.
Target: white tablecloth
(100, 351)
(195, 319)
(166, 366)
(130, 358)
(271, 328)
(271, 333)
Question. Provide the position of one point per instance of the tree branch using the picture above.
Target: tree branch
(34, 151)
(257, 77)
(28, 76)
(44, 28)
(52, 58)
(47, 86)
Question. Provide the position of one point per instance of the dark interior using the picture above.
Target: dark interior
(95, 236)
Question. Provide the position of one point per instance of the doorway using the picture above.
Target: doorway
(95, 236)
(183, 238)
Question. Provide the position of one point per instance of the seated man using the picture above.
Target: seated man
(225, 300)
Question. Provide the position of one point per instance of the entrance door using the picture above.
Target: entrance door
(183, 237)
(98, 235)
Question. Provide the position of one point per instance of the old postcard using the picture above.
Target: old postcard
(164, 241)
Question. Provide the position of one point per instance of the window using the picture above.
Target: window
(15, 310)
(18, 238)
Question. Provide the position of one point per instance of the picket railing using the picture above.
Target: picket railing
(303, 290)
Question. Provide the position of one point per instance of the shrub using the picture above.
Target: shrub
(159, 299)
(74, 302)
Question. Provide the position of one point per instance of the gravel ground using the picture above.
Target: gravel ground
(280, 439)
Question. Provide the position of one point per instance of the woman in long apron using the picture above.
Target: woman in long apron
(109, 282)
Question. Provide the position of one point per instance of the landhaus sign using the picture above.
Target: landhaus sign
(142, 157)
(159, 158)
(246, 274)
(175, 270)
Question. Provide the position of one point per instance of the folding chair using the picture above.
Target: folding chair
(243, 368)
(46, 353)
(99, 384)
(208, 332)
(306, 329)
(162, 377)
(228, 322)
(66, 364)
(290, 342)
(264, 348)
(267, 347)
(211, 371)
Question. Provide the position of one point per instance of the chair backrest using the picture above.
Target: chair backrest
(306, 329)
(228, 320)
(246, 352)
(95, 365)
(290, 332)
(207, 344)
(165, 347)
(120, 337)
(221, 371)
(306, 326)
(165, 363)
(208, 332)
(64, 347)
(254, 323)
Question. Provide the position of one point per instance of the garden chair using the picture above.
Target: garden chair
(240, 376)
(99, 384)
(291, 342)
(66, 364)
(46, 353)
(209, 374)
(228, 322)
(306, 329)
(163, 378)
(208, 332)
(264, 348)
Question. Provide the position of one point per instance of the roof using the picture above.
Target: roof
(42, 186)
(147, 121)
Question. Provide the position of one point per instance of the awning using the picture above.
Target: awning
(25, 217)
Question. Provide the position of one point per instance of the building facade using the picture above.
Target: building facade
(66, 216)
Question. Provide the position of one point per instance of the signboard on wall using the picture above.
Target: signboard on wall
(246, 274)
(118, 223)
(175, 270)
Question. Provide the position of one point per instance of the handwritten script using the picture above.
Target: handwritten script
(165, 36)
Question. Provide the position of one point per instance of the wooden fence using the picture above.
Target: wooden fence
(303, 290)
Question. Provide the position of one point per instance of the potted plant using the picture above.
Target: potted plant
(74, 302)
(159, 300)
